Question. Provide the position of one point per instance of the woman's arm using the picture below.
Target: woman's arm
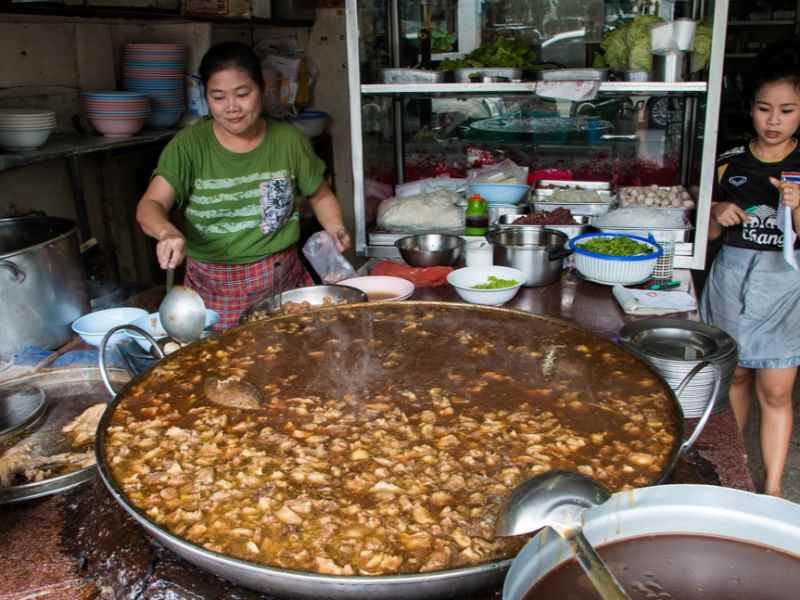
(329, 214)
(152, 213)
(724, 214)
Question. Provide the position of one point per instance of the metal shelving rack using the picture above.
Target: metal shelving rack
(690, 255)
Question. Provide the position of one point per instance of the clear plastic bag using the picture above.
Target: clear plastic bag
(328, 262)
(506, 171)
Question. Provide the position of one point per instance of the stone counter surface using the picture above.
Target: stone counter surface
(82, 545)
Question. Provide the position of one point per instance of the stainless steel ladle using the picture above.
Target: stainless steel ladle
(183, 314)
(557, 500)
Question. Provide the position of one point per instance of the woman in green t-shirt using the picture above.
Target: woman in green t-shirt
(237, 179)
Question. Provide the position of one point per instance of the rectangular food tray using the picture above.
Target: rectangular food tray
(566, 183)
(411, 76)
(463, 75)
(590, 209)
(574, 75)
(544, 194)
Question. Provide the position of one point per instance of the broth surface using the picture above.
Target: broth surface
(682, 567)
(391, 434)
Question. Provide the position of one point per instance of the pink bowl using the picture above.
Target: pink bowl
(118, 127)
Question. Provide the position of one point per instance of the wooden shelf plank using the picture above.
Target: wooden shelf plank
(70, 144)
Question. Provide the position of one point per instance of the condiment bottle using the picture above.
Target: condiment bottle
(477, 216)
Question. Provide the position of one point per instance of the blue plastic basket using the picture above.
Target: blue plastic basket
(623, 270)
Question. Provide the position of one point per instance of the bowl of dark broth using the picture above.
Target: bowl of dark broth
(673, 542)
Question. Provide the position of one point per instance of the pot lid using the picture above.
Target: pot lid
(20, 407)
(679, 339)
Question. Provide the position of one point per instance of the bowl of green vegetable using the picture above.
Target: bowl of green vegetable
(486, 285)
(615, 258)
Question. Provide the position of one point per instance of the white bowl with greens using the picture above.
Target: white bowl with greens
(491, 285)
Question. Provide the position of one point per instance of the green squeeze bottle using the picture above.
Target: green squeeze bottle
(477, 216)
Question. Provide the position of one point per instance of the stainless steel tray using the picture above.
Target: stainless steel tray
(463, 75)
(589, 209)
(545, 193)
(411, 76)
(69, 392)
(581, 185)
(582, 226)
(574, 75)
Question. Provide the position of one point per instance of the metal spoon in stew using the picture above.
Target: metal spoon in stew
(183, 314)
(234, 393)
(557, 500)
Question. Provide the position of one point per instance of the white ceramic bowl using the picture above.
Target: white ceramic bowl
(464, 279)
(93, 327)
(24, 139)
(380, 288)
(152, 324)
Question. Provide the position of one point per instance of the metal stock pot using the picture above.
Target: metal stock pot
(42, 284)
(687, 511)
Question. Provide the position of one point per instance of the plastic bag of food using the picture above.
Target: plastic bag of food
(433, 210)
(506, 171)
(328, 262)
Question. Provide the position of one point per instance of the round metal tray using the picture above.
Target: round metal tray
(68, 393)
(678, 340)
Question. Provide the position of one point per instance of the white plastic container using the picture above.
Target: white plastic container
(661, 37)
(683, 31)
(479, 253)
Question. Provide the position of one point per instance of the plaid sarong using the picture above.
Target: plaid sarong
(229, 289)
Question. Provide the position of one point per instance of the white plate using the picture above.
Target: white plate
(382, 284)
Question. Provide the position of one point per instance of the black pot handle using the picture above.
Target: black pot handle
(558, 253)
(17, 274)
(154, 347)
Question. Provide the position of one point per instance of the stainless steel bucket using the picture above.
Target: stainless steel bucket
(666, 509)
(42, 284)
(539, 253)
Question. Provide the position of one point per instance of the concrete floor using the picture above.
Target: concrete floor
(791, 474)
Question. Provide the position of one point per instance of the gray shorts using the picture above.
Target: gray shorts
(754, 296)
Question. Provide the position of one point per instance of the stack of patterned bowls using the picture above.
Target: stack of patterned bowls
(157, 70)
(24, 129)
(117, 114)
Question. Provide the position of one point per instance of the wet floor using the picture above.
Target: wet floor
(791, 475)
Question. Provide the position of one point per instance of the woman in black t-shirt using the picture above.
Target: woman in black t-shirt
(752, 292)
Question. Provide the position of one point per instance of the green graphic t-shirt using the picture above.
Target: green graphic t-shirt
(240, 207)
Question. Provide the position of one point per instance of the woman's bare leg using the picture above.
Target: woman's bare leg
(774, 392)
(740, 395)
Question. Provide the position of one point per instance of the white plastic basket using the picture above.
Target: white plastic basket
(622, 270)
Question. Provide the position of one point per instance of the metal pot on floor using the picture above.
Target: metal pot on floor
(42, 283)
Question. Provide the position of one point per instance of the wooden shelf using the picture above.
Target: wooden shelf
(71, 144)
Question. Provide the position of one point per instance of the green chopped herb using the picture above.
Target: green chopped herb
(616, 246)
(495, 283)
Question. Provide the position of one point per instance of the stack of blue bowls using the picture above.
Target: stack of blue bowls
(157, 70)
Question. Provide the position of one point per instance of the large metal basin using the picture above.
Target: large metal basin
(453, 583)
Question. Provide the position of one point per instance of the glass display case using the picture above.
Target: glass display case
(413, 116)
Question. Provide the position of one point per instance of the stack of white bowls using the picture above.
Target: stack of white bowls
(676, 346)
(157, 70)
(23, 129)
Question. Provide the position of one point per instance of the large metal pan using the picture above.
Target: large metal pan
(453, 583)
(668, 510)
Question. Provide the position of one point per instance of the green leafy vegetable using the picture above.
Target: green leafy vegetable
(616, 246)
(702, 48)
(502, 54)
(495, 283)
(628, 46)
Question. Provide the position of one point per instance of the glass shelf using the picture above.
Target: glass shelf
(627, 87)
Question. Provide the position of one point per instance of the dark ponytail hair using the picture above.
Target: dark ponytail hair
(778, 62)
(227, 55)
